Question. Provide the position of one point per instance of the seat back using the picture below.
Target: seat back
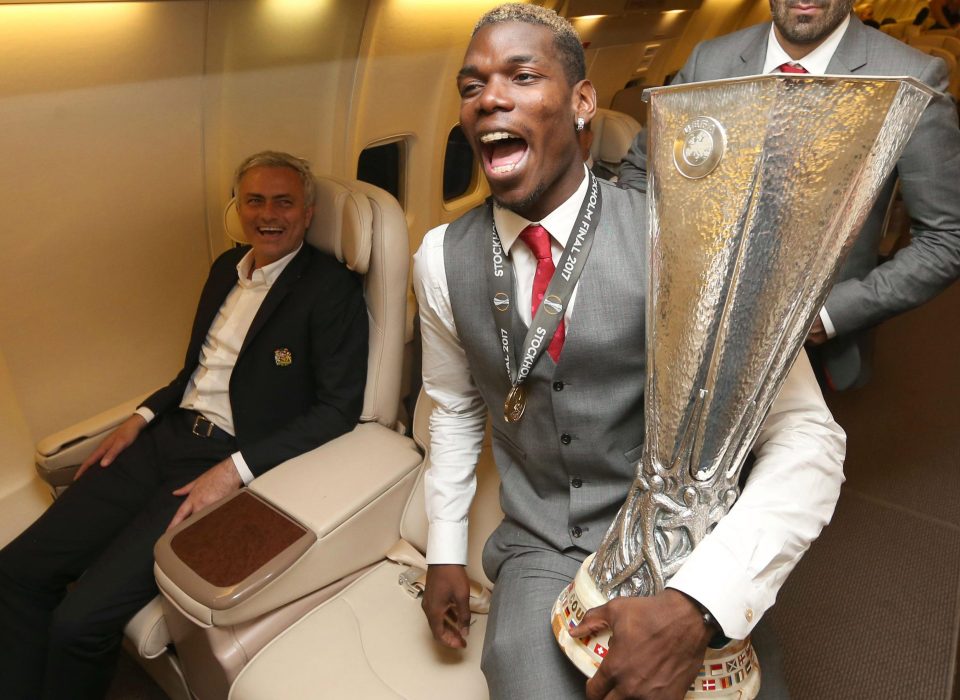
(897, 30)
(485, 513)
(365, 229)
(613, 133)
(629, 101)
(944, 41)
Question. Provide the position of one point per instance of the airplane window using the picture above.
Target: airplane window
(458, 170)
(381, 165)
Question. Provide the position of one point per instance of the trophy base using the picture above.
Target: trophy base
(731, 672)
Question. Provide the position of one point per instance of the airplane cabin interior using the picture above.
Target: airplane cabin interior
(122, 123)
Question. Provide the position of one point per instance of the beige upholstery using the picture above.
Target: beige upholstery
(613, 132)
(630, 101)
(949, 32)
(944, 41)
(346, 219)
(371, 640)
(57, 456)
(349, 491)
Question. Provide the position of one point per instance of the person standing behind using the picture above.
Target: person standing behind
(567, 421)
(275, 366)
(824, 38)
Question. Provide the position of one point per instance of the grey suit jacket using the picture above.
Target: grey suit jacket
(567, 467)
(929, 172)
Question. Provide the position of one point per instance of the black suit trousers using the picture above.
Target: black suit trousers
(99, 535)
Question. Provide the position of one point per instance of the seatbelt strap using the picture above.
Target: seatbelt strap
(414, 579)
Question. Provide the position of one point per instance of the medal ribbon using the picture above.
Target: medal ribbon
(569, 267)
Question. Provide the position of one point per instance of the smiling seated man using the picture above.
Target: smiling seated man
(566, 457)
(275, 367)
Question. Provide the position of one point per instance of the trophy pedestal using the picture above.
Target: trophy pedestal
(729, 672)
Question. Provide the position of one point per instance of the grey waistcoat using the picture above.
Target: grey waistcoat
(566, 467)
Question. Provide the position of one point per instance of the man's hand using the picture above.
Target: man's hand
(218, 482)
(657, 647)
(115, 443)
(446, 602)
(817, 334)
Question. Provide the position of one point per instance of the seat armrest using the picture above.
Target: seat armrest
(329, 512)
(57, 456)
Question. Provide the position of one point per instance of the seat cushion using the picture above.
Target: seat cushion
(370, 641)
(147, 630)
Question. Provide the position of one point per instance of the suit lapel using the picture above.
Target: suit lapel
(215, 294)
(277, 293)
(851, 53)
(753, 54)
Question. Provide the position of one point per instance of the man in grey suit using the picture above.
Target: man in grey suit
(563, 383)
(824, 38)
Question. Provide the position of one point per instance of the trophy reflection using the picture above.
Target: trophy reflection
(757, 189)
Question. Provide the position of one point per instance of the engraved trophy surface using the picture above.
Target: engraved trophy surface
(757, 189)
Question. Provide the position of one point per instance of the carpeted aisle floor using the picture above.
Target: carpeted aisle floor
(873, 609)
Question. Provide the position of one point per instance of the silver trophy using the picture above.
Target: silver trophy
(757, 189)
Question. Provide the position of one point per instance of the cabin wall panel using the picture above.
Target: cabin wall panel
(105, 238)
(412, 51)
(279, 76)
(714, 18)
(22, 497)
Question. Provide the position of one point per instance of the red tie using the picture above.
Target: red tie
(537, 239)
(791, 68)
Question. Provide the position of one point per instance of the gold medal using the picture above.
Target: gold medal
(514, 405)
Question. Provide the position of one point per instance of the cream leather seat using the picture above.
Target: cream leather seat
(613, 132)
(371, 640)
(355, 484)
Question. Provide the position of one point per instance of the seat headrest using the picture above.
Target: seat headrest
(613, 133)
(342, 223)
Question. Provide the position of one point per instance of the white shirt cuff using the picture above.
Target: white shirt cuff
(145, 413)
(246, 476)
(447, 542)
(828, 326)
(712, 578)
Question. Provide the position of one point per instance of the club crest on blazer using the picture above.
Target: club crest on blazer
(283, 357)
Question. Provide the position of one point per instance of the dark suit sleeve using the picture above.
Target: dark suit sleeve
(339, 330)
(929, 171)
(633, 167)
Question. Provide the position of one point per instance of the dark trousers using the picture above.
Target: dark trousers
(59, 643)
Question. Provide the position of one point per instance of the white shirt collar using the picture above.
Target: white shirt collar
(265, 275)
(815, 62)
(559, 222)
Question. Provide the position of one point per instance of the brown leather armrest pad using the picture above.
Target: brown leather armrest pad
(233, 541)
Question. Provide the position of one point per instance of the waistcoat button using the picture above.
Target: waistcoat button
(576, 531)
(558, 386)
(565, 439)
(576, 482)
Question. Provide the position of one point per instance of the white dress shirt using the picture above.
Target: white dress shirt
(815, 63)
(738, 569)
(208, 391)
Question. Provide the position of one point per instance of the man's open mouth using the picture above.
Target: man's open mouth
(502, 151)
(269, 230)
